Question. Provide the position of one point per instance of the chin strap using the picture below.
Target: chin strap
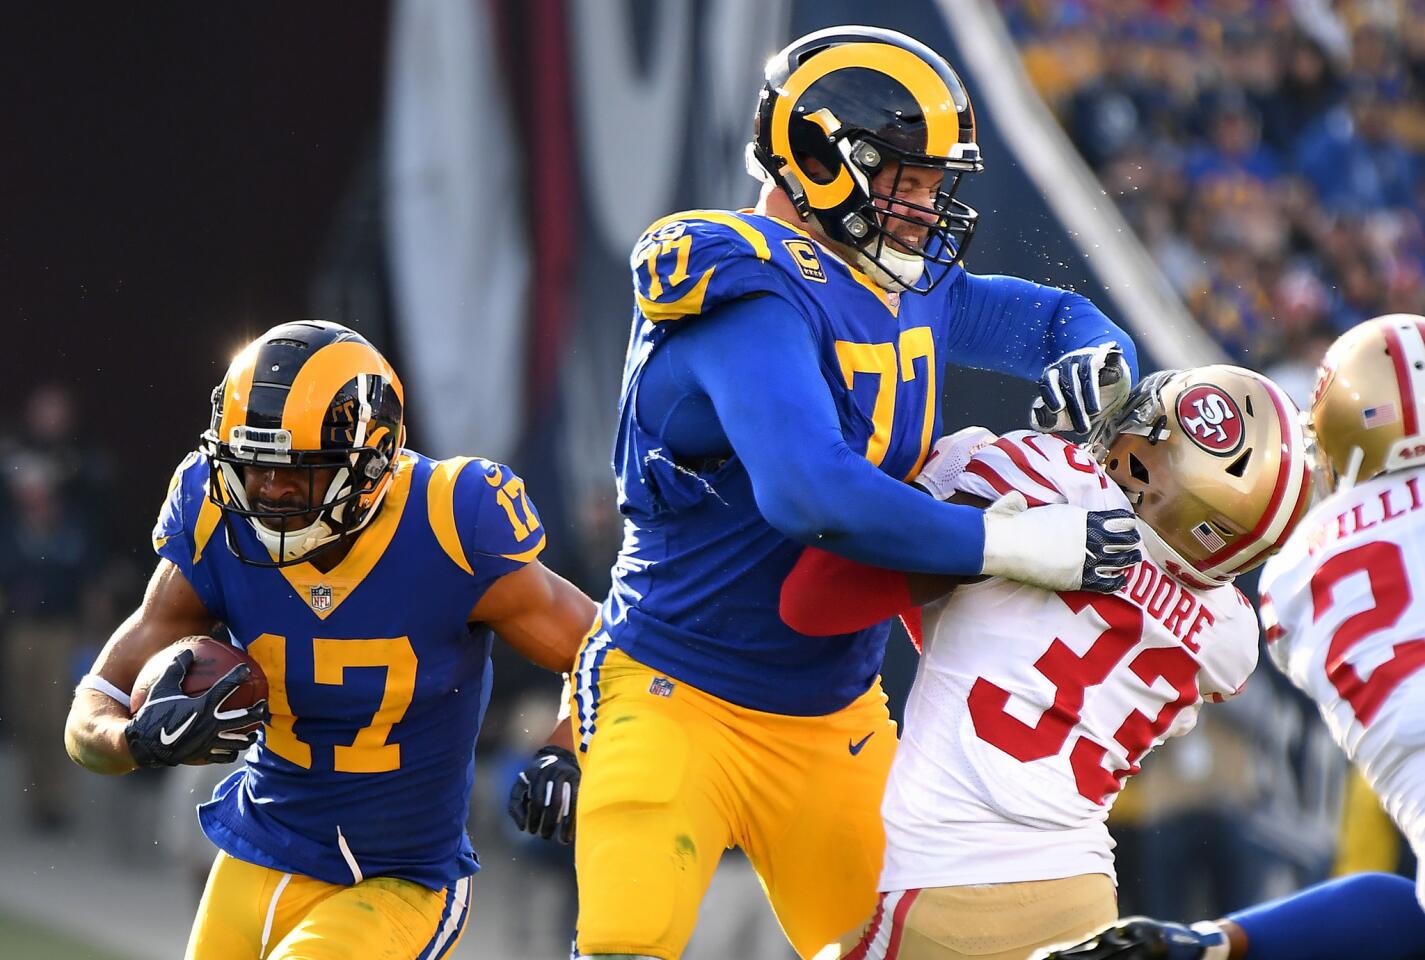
(893, 271)
(294, 543)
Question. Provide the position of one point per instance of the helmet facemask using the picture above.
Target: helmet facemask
(337, 515)
(1144, 415)
(867, 221)
(844, 105)
(360, 436)
(1213, 461)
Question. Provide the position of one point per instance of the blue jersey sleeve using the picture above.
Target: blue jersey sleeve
(1017, 326)
(1364, 915)
(186, 523)
(689, 263)
(780, 419)
(495, 523)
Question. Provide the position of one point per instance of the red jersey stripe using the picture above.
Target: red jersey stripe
(987, 473)
(893, 949)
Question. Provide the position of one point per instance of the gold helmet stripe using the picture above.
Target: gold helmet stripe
(317, 382)
(237, 389)
(1284, 509)
(1407, 353)
(937, 103)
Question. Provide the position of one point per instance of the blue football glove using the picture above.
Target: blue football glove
(172, 727)
(545, 795)
(1139, 938)
(1076, 390)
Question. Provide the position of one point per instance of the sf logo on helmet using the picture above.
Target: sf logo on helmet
(1211, 419)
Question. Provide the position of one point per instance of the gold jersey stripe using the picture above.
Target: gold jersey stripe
(440, 506)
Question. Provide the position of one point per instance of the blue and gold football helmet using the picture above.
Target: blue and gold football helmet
(314, 397)
(854, 100)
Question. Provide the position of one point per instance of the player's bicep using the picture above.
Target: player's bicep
(538, 613)
(171, 610)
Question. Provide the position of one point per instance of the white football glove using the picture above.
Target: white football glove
(949, 458)
(1079, 388)
(1060, 546)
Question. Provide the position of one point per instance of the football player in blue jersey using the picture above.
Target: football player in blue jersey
(782, 381)
(366, 580)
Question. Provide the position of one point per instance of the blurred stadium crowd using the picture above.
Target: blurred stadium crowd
(1268, 154)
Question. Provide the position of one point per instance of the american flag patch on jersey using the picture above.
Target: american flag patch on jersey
(1378, 416)
(1208, 537)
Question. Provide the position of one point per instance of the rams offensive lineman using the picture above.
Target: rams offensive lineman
(782, 380)
(365, 579)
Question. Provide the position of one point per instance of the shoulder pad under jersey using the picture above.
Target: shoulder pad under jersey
(687, 263)
(482, 517)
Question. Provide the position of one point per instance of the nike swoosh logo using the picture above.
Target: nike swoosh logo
(855, 748)
(166, 738)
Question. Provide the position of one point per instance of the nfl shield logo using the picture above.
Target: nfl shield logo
(661, 687)
(321, 597)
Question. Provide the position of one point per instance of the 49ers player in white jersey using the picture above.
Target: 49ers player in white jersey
(1344, 603)
(1343, 606)
(1031, 708)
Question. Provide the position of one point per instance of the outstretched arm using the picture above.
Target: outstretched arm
(1020, 327)
(776, 411)
(539, 613)
(1372, 915)
(544, 617)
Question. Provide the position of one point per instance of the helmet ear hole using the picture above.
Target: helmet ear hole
(1137, 470)
(1238, 467)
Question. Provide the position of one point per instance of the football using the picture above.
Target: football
(212, 659)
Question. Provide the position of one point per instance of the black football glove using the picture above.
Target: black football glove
(544, 796)
(172, 727)
(1139, 938)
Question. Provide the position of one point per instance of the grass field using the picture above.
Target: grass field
(26, 941)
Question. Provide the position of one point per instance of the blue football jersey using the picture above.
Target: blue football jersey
(377, 683)
(696, 585)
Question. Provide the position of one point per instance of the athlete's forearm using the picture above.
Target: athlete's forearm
(94, 734)
(826, 594)
(562, 735)
(1020, 327)
(1366, 915)
(758, 363)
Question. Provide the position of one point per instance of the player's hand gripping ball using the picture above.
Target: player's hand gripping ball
(195, 701)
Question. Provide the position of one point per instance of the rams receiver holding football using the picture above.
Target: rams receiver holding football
(365, 580)
(782, 380)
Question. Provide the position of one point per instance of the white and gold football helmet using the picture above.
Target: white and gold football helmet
(1368, 408)
(1214, 461)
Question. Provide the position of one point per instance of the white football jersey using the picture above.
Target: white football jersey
(1031, 708)
(1343, 607)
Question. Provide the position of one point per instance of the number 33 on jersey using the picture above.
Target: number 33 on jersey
(378, 684)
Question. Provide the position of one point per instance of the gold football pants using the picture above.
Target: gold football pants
(257, 913)
(992, 921)
(672, 776)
